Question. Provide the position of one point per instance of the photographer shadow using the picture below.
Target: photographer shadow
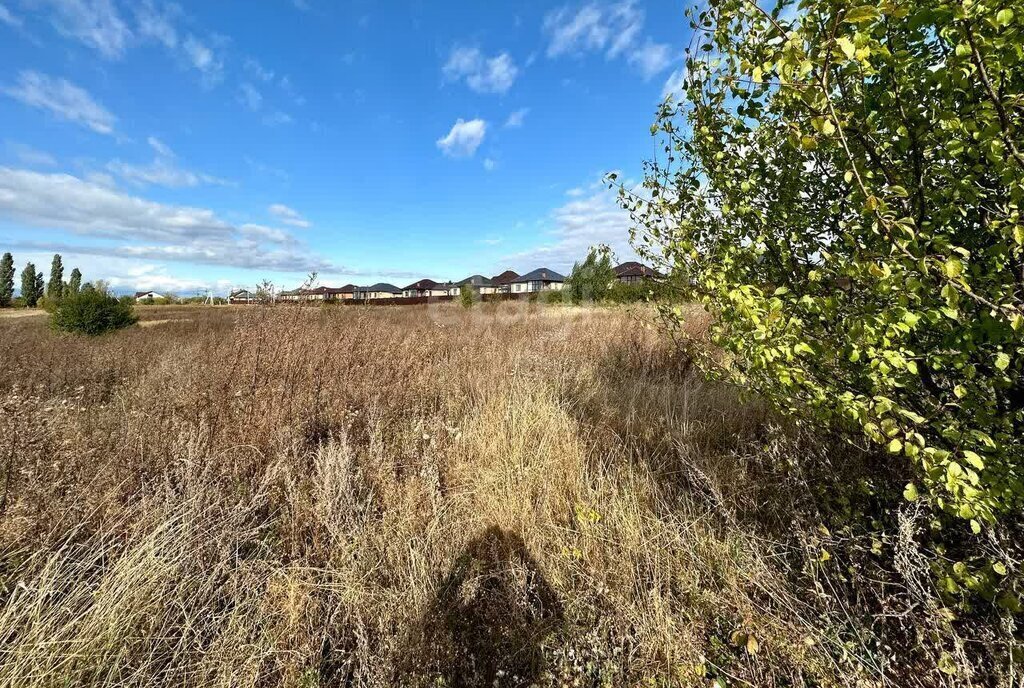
(489, 619)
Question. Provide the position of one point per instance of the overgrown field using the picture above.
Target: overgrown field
(431, 496)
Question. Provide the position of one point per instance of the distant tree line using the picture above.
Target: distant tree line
(35, 290)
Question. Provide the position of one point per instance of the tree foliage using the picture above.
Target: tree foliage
(842, 183)
(55, 286)
(31, 285)
(93, 311)
(468, 295)
(75, 281)
(6, 280)
(591, 279)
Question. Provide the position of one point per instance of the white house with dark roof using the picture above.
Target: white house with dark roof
(541, 279)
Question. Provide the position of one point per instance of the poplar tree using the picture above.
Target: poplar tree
(6, 280)
(29, 278)
(55, 287)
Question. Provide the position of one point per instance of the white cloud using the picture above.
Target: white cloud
(63, 99)
(31, 156)
(250, 97)
(464, 138)
(489, 164)
(613, 29)
(95, 23)
(253, 67)
(482, 74)
(204, 59)
(592, 217)
(162, 172)
(272, 119)
(8, 18)
(651, 58)
(157, 24)
(160, 147)
(289, 216)
(517, 118)
(675, 83)
(143, 229)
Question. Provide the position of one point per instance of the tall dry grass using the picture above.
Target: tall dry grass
(425, 496)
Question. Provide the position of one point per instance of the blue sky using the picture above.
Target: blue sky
(184, 146)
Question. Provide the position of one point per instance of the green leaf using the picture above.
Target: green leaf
(953, 267)
(895, 446)
(1002, 361)
(910, 492)
(847, 46)
(974, 459)
(859, 15)
(1004, 16)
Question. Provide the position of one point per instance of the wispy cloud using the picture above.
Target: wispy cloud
(288, 216)
(482, 74)
(162, 172)
(203, 58)
(160, 147)
(145, 229)
(613, 29)
(62, 99)
(517, 118)
(250, 97)
(592, 216)
(157, 23)
(31, 156)
(464, 138)
(95, 23)
(490, 164)
(7, 17)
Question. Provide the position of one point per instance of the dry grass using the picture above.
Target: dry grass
(416, 496)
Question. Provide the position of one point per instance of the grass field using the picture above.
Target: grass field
(511, 495)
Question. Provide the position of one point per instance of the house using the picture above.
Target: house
(341, 293)
(445, 289)
(422, 287)
(541, 279)
(242, 296)
(479, 284)
(317, 294)
(502, 284)
(147, 296)
(290, 296)
(381, 290)
(632, 271)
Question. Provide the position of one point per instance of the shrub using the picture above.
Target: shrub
(93, 312)
(467, 295)
(843, 185)
(591, 279)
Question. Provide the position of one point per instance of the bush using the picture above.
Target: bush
(591, 279)
(467, 295)
(843, 185)
(93, 312)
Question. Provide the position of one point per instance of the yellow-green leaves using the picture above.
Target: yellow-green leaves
(1004, 16)
(910, 492)
(1002, 361)
(846, 46)
(862, 14)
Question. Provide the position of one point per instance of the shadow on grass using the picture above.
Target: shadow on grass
(489, 619)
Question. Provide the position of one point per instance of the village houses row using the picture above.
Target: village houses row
(508, 282)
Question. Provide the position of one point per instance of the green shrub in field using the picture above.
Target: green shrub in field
(93, 312)
(843, 184)
(591, 279)
(468, 295)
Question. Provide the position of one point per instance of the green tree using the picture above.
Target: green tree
(6, 280)
(843, 185)
(75, 281)
(468, 295)
(55, 287)
(591, 279)
(29, 279)
(93, 311)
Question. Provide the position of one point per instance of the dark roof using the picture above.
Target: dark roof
(347, 289)
(318, 290)
(423, 284)
(541, 275)
(381, 286)
(445, 285)
(290, 292)
(506, 277)
(634, 269)
(237, 294)
(143, 293)
(476, 281)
